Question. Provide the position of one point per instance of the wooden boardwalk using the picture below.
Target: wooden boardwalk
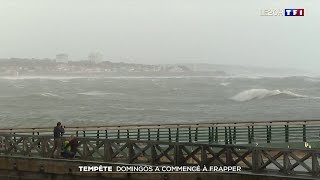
(263, 133)
(273, 148)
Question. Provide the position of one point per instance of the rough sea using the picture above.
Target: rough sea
(80, 101)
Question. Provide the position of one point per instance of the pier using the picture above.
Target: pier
(277, 149)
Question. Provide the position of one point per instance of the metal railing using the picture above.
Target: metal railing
(266, 132)
(283, 161)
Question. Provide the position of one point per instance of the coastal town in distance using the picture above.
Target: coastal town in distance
(93, 64)
(96, 65)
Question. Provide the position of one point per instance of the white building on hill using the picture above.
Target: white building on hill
(95, 57)
(62, 58)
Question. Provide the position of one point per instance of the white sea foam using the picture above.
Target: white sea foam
(315, 80)
(155, 78)
(133, 109)
(263, 93)
(224, 84)
(315, 97)
(19, 86)
(119, 106)
(98, 93)
(103, 77)
(163, 109)
(41, 77)
(64, 81)
(50, 95)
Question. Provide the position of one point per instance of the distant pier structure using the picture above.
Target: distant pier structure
(62, 57)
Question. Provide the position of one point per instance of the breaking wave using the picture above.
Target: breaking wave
(263, 93)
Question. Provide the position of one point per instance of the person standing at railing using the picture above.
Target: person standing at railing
(58, 131)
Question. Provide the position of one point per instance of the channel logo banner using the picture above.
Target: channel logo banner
(294, 12)
(282, 12)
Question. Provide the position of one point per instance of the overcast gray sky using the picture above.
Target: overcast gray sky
(163, 31)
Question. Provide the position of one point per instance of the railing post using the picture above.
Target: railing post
(130, 152)
(210, 135)
(216, 137)
(234, 134)
(286, 133)
(107, 150)
(257, 160)
(315, 164)
(39, 144)
(177, 135)
(178, 155)
(43, 147)
(270, 130)
(138, 135)
(286, 162)
(169, 135)
(252, 133)
(98, 134)
(190, 140)
(153, 154)
(149, 135)
(249, 135)
(15, 140)
(204, 157)
(230, 136)
(106, 134)
(7, 144)
(24, 146)
(268, 134)
(158, 134)
(304, 133)
(225, 135)
(229, 159)
(85, 149)
(196, 135)
(128, 134)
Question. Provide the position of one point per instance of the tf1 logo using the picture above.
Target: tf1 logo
(294, 12)
(282, 12)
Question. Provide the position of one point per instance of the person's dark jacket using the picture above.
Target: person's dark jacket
(73, 144)
(58, 132)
